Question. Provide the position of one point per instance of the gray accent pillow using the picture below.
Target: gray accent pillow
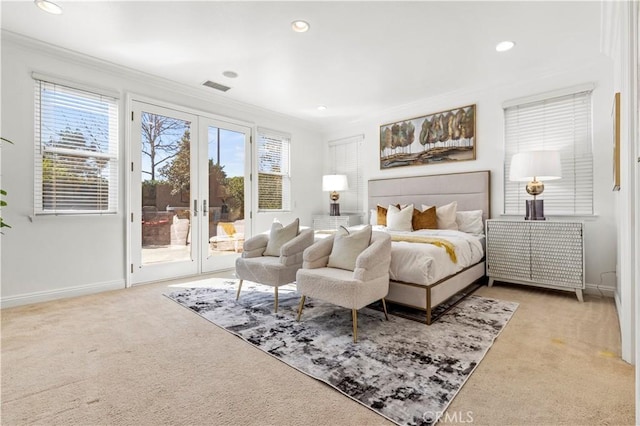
(347, 246)
(279, 236)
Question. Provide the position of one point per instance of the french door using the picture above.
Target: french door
(188, 194)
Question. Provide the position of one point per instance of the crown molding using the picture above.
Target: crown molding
(161, 83)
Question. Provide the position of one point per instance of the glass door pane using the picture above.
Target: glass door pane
(189, 197)
(163, 173)
(226, 167)
(166, 178)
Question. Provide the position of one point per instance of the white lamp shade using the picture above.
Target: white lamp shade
(541, 165)
(334, 183)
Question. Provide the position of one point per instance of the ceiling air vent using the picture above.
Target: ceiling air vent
(216, 86)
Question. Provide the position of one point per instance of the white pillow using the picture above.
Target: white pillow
(399, 219)
(446, 215)
(373, 217)
(470, 221)
(348, 246)
(279, 236)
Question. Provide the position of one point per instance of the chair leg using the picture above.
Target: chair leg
(300, 307)
(276, 309)
(239, 287)
(354, 314)
(384, 306)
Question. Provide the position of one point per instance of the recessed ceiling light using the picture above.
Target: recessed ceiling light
(322, 107)
(300, 26)
(48, 6)
(503, 46)
(230, 74)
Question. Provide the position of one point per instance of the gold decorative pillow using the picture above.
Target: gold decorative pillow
(382, 214)
(426, 219)
(446, 215)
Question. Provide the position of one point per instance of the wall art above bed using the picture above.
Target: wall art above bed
(442, 137)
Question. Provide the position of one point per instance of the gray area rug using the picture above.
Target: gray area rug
(406, 371)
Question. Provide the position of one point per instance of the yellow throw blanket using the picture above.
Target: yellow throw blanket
(228, 228)
(447, 245)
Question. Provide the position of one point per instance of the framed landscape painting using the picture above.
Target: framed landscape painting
(442, 137)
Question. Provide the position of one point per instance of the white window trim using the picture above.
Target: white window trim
(39, 150)
(76, 85)
(572, 90)
(263, 131)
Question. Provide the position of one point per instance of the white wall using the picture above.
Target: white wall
(46, 257)
(620, 42)
(600, 234)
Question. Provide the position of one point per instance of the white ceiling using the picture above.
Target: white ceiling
(357, 58)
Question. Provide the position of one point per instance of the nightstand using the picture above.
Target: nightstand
(538, 253)
(326, 222)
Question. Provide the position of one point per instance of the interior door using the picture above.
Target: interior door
(163, 204)
(224, 191)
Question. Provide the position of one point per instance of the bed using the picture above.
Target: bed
(471, 191)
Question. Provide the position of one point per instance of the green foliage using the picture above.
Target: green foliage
(178, 171)
(51, 169)
(3, 203)
(235, 190)
(150, 182)
(80, 169)
(3, 193)
(216, 171)
(270, 192)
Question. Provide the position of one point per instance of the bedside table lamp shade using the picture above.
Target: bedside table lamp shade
(534, 167)
(333, 184)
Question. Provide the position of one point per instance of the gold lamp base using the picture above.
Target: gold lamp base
(535, 187)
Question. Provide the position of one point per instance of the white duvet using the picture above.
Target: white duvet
(422, 263)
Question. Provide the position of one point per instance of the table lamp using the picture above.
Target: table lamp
(333, 184)
(534, 167)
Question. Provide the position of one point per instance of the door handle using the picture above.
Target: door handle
(195, 207)
(204, 208)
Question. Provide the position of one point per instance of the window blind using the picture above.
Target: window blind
(76, 151)
(345, 159)
(274, 179)
(561, 123)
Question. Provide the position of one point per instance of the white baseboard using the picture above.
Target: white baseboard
(600, 290)
(616, 297)
(60, 293)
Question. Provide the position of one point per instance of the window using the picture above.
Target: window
(274, 179)
(76, 150)
(345, 159)
(563, 123)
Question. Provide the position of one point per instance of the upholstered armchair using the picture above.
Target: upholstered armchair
(345, 276)
(273, 259)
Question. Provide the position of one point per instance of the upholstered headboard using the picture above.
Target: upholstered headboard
(470, 189)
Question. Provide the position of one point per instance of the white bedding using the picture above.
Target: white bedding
(425, 264)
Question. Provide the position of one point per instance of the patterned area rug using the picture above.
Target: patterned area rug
(406, 371)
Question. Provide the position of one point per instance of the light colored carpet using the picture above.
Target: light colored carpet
(134, 357)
